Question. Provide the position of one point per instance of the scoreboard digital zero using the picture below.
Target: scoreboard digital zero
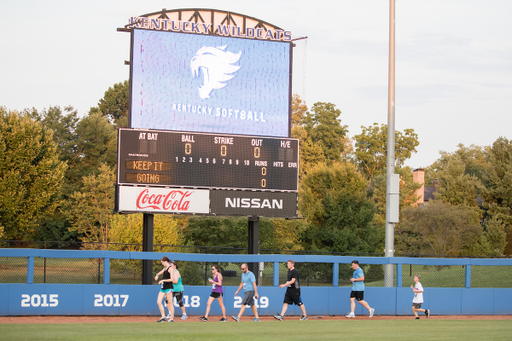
(201, 160)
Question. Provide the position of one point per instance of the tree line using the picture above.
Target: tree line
(57, 172)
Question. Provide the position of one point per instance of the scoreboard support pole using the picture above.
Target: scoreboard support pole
(147, 246)
(254, 240)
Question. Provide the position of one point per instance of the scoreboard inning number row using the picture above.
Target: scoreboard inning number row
(185, 159)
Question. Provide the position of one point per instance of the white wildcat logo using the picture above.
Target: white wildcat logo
(216, 65)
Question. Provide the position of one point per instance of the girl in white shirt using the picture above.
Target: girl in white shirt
(418, 298)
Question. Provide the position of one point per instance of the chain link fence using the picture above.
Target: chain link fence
(491, 276)
(68, 270)
(126, 271)
(439, 276)
(13, 269)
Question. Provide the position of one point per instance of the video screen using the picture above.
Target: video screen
(214, 84)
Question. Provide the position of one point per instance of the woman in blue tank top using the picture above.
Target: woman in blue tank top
(177, 290)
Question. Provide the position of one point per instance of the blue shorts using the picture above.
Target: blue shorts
(165, 291)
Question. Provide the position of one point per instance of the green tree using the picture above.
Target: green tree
(53, 226)
(233, 232)
(309, 152)
(335, 204)
(283, 234)
(125, 234)
(127, 229)
(84, 144)
(62, 122)
(456, 187)
(30, 173)
(323, 127)
(96, 145)
(437, 229)
(91, 209)
(299, 111)
(222, 231)
(498, 182)
(496, 237)
(371, 148)
(473, 157)
(115, 104)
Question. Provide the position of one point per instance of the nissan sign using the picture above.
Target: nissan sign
(254, 203)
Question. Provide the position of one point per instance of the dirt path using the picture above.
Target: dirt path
(152, 319)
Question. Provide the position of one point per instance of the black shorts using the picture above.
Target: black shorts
(359, 295)
(179, 297)
(216, 294)
(416, 305)
(292, 296)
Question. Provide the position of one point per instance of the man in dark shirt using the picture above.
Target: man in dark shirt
(292, 295)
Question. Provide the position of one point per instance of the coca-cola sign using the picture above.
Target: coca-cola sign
(163, 200)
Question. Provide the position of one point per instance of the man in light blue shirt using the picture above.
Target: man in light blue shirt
(358, 291)
(250, 293)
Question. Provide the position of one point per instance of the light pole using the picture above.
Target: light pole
(391, 179)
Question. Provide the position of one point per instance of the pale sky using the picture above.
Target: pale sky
(453, 60)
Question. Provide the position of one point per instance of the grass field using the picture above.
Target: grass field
(268, 330)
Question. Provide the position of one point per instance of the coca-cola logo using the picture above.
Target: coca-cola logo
(175, 200)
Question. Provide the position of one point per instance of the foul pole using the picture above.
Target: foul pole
(390, 222)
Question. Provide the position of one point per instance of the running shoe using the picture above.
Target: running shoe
(372, 311)
(255, 320)
(204, 319)
(223, 319)
(236, 318)
(184, 316)
(427, 313)
(278, 317)
(161, 319)
(170, 320)
(350, 315)
(303, 318)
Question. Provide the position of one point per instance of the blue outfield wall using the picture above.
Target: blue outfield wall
(114, 299)
(105, 299)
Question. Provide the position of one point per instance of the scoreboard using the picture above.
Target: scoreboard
(158, 158)
(210, 84)
(209, 121)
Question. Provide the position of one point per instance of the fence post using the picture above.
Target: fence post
(335, 274)
(205, 273)
(253, 241)
(308, 267)
(30, 270)
(468, 276)
(44, 266)
(147, 246)
(276, 274)
(398, 275)
(106, 270)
